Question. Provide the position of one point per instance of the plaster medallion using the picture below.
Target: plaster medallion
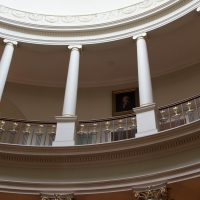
(51, 19)
(35, 17)
(145, 4)
(102, 16)
(18, 14)
(86, 18)
(129, 10)
(4, 9)
(114, 13)
(68, 19)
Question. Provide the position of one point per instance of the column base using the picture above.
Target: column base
(146, 120)
(65, 131)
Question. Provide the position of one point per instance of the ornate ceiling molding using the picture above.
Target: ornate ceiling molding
(96, 33)
(38, 18)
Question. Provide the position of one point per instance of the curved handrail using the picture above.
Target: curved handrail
(183, 112)
(179, 102)
(26, 121)
(35, 131)
(106, 119)
(80, 121)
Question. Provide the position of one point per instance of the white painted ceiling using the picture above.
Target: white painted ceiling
(171, 47)
(67, 7)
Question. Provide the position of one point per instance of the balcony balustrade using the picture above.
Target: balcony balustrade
(180, 113)
(107, 130)
(41, 133)
(22, 132)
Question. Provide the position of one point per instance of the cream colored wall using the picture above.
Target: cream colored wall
(43, 103)
(9, 110)
(36, 103)
(176, 86)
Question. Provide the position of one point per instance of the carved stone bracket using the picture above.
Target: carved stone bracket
(56, 196)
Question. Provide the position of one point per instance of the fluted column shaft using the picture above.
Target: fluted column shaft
(69, 107)
(5, 63)
(144, 76)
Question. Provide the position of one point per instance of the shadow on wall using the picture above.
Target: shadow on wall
(9, 110)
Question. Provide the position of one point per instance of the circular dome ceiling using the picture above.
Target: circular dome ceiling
(65, 22)
(68, 7)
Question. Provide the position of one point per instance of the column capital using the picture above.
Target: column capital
(162, 193)
(140, 36)
(10, 42)
(56, 196)
(198, 9)
(75, 48)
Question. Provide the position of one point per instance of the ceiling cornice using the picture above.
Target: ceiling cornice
(97, 33)
(43, 20)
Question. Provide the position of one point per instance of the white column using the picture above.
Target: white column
(66, 124)
(5, 63)
(69, 107)
(146, 114)
(144, 76)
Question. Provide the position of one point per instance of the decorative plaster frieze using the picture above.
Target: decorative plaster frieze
(133, 152)
(76, 19)
(112, 31)
(91, 32)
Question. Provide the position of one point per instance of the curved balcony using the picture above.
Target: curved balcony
(41, 133)
(119, 167)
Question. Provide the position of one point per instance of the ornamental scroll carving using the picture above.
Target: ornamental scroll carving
(35, 17)
(18, 14)
(57, 197)
(3, 9)
(162, 193)
(77, 19)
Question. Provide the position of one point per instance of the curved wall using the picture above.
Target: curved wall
(9, 110)
(43, 103)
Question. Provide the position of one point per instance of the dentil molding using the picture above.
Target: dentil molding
(92, 33)
(171, 142)
(133, 150)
